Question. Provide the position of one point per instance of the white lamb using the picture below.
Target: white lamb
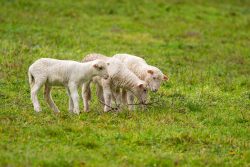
(71, 74)
(119, 77)
(150, 74)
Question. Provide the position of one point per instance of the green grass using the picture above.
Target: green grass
(204, 47)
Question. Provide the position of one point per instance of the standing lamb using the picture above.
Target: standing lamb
(119, 77)
(71, 74)
(150, 74)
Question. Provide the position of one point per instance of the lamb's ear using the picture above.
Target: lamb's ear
(150, 71)
(165, 78)
(95, 65)
(140, 85)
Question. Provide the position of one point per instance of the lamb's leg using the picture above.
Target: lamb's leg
(124, 97)
(130, 99)
(75, 97)
(48, 98)
(117, 96)
(143, 101)
(86, 96)
(71, 105)
(99, 92)
(107, 95)
(107, 99)
(34, 90)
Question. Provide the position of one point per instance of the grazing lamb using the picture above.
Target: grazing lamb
(119, 77)
(150, 74)
(71, 74)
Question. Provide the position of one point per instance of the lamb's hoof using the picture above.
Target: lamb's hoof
(37, 109)
(86, 110)
(57, 112)
(76, 112)
(107, 110)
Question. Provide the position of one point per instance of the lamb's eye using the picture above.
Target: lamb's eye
(100, 68)
(145, 90)
(154, 78)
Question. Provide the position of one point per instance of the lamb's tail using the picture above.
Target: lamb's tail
(31, 79)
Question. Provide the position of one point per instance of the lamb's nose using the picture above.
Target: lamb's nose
(106, 77)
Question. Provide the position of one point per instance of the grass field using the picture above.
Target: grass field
(204, 47)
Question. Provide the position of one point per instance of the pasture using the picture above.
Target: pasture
(204, 115)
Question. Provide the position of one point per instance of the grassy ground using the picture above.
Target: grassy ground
(204, 47)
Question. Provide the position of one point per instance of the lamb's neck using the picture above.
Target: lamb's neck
(87, 70)
(127, 81)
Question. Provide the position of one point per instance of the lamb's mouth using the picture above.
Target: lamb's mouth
(154, 90)
(106, 77)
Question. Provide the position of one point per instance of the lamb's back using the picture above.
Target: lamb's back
(94, 56)
(129, 59)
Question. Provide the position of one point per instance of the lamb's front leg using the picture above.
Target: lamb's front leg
(124, 97)
(117, 96)
(99, 92)
(47, 95)
(71, 105)
(130, 100)
(75, 97)
(107, 95)
(86, 95)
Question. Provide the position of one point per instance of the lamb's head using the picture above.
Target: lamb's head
(154, 78)
(140, 91)
(114, 66)
(100, 68)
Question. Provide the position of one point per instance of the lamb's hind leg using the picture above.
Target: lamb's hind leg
(86, 96)
(71, 105)
(48, 98)
(34, 90)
